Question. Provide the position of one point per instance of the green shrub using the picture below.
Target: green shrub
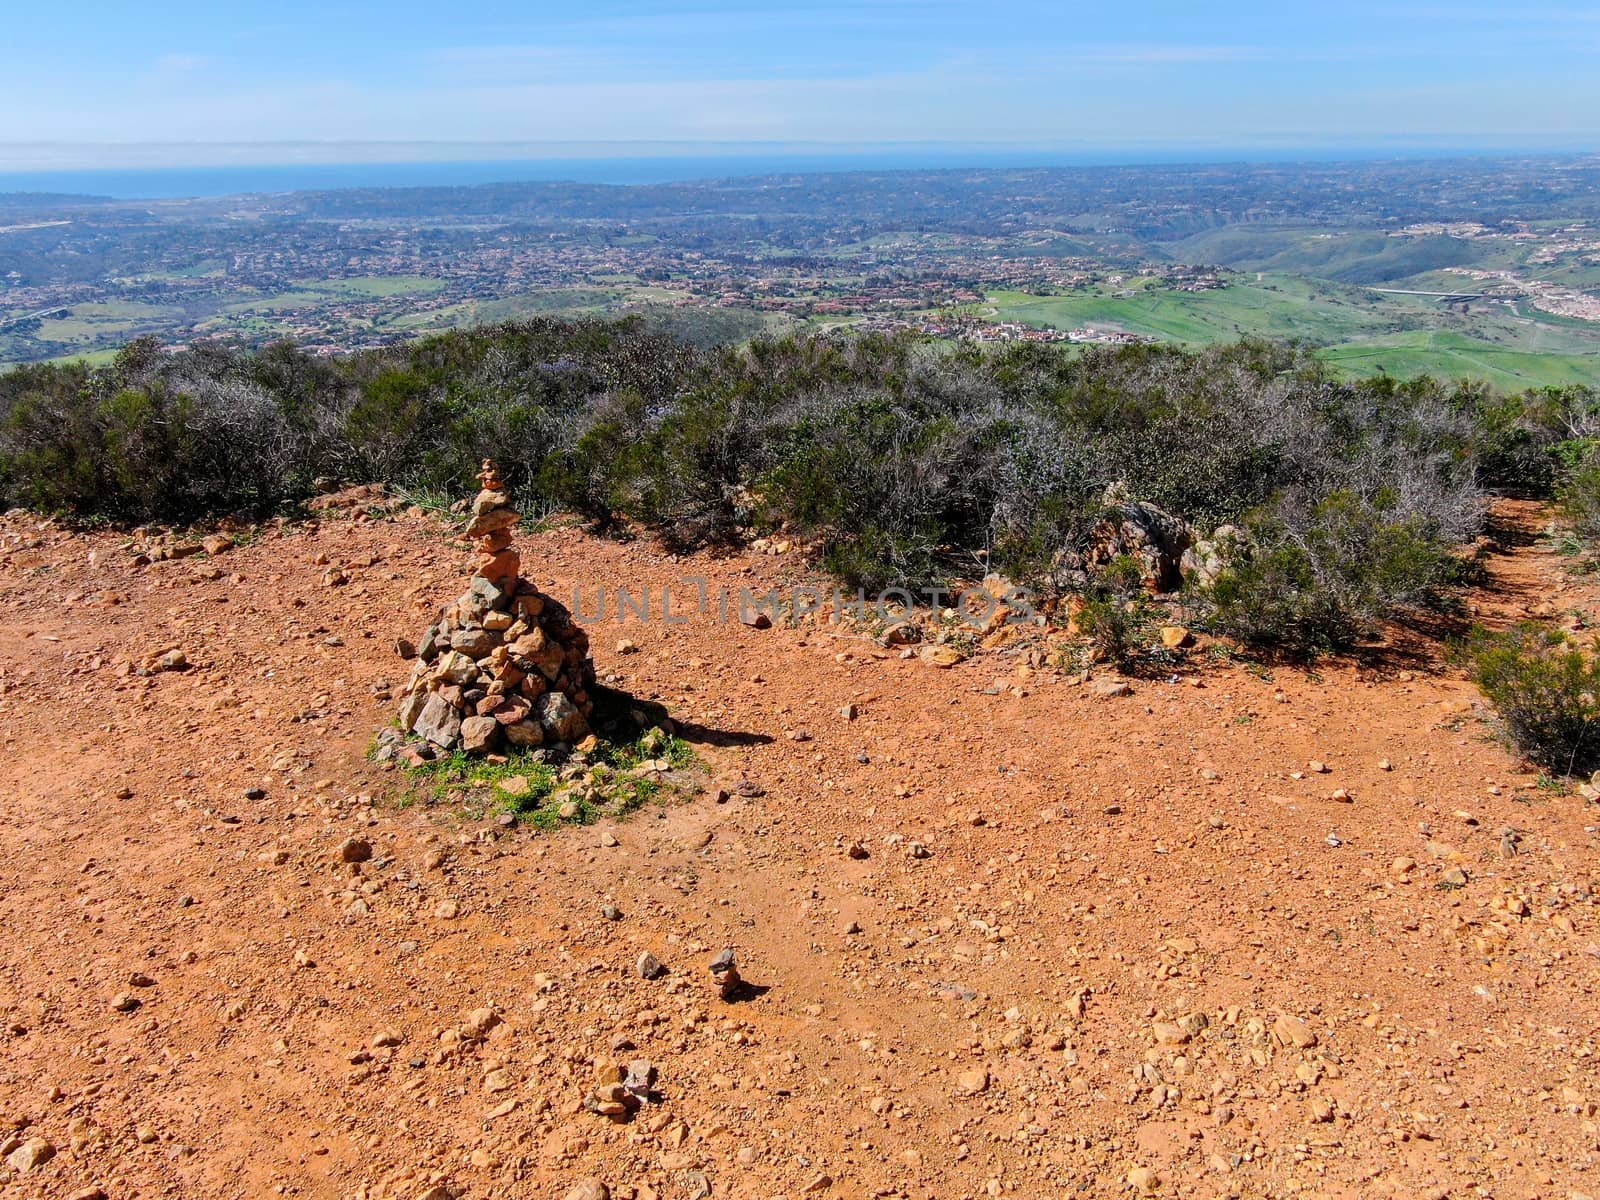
(210, 430)
(1115, 615)
(1527, 441)
(907, 462)
(1547, 693)
(891, 488)
(1270, 598)
(1322, 580)
(1110, 628)
(1579, 496)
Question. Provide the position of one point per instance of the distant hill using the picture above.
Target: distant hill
(1360, 258)
(36, 201)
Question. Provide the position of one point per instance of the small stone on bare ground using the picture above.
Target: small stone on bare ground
(1143, 1179)
(1292, 1031)
(32, 1154)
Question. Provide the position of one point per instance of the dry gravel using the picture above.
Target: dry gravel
(1016, 941)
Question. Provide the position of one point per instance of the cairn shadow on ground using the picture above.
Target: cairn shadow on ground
(616, 710)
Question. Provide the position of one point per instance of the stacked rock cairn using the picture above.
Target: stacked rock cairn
(503, 665)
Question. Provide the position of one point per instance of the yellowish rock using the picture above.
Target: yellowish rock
(1292, 1031)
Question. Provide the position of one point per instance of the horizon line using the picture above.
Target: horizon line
(46, 156)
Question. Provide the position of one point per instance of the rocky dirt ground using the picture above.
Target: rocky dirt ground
(1143, 948)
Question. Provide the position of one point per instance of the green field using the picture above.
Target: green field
(1451, 355)
(1278, 306)
(1356, 256)
(93, 358)
(265, 302)
(566, 302)
(374, 286)
(105, 321)
(1358, 330)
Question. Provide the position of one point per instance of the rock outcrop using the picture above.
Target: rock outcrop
(1167, 550)
(1208, 557)
(503, 665)
(1137, 529)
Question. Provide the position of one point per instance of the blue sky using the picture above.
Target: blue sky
(1155, 73)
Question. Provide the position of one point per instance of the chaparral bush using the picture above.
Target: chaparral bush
(1547, 693)
(905, 461)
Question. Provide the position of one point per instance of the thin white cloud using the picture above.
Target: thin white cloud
(178, 63)
(907, 106)
(671, 75)
(177, 66)
(1158, 55)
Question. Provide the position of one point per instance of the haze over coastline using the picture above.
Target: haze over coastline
(130, 171)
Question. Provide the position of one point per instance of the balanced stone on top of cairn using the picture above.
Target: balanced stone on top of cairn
(503, 664)
(492, 519)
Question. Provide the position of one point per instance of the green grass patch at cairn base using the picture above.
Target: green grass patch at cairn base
(599, 778)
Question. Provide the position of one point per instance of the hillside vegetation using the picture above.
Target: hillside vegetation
(1319, 506)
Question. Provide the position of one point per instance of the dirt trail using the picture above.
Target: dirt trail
(1526, 575)
(1146, 937)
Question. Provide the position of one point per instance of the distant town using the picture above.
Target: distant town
(1373, 262)
(349, 293)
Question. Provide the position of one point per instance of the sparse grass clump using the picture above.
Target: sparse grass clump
(1547, 693)
(1115, 616)
(609, 780)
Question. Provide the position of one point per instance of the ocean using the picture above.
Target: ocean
(160, 183)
